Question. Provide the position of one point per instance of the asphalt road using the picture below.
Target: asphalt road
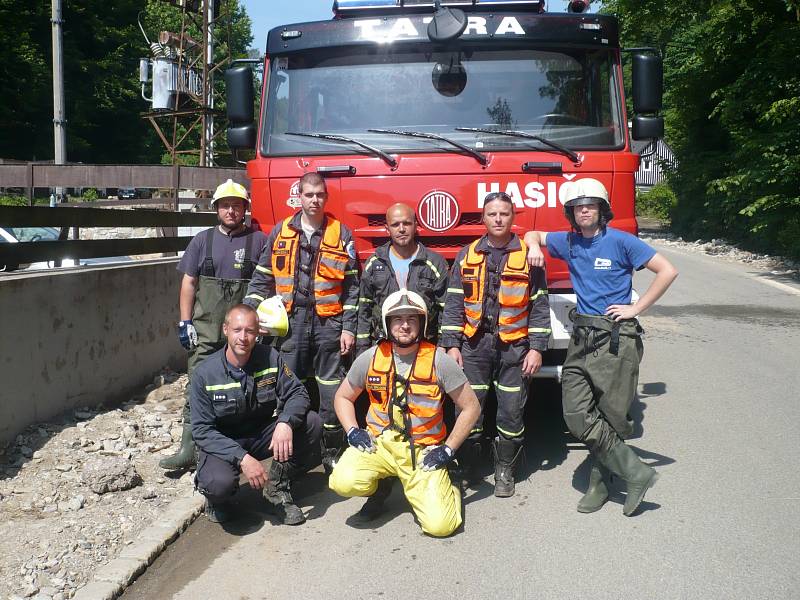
(718, 414)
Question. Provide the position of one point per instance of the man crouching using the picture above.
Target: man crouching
(406, 379)
(247, 406)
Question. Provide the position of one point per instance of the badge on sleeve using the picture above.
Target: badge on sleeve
(351, 249)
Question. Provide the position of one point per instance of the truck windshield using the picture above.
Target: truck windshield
(569, 96)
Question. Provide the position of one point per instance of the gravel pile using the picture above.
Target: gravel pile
(776, 265)
(75, 492)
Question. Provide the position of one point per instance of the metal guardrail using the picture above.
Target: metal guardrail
(28, 252)
(46, 175)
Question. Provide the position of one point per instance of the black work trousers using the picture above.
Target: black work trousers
(311, 351)
(218, 479)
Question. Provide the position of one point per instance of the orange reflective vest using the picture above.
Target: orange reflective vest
(329, 270)
(425, 414)
(513, 295)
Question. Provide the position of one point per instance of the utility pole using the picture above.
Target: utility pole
(208, 130)
(59, 122)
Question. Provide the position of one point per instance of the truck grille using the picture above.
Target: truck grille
(466, 218)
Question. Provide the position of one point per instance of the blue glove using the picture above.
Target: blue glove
(360, 439)
(187, 334)
(437, 457)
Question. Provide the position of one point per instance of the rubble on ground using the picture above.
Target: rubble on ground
(75, 491)
(775, 265)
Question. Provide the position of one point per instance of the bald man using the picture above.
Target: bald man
(402, 262)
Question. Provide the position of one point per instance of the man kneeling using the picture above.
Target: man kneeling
(246, 406)
(406, 379)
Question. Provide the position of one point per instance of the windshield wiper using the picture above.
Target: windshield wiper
(391, 161)
(481, 158)
(521, 134)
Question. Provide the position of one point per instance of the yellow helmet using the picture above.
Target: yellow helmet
(272, 317)
(230, 189)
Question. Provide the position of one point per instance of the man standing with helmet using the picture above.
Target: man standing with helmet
(406, 379)
(310, 262)
(217, 266)
(496, 325)
(601, 371)
(402, 262)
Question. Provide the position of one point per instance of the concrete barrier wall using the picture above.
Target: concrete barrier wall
(82, 337)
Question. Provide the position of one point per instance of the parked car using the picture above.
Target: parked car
(127, 194)
(14, 235)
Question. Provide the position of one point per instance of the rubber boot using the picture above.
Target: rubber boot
(506, 456)
(375, 504)
(219, 512)
(332, 445)
(469, 459)
(597, 493)
(186, 456)
(638, 476)
(278, 494)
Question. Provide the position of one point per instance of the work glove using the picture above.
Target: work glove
(187, 334)
(437, 457)
(360, 439)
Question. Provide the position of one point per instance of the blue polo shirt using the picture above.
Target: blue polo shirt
(601, 268)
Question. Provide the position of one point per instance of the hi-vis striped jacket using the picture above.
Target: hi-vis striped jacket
(455, 322)
(263, 284)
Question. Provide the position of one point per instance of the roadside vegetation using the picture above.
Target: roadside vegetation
(657, 202)
(732, 112)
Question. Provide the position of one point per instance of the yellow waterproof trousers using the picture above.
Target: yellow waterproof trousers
(434, 498)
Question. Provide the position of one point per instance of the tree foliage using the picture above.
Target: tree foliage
(732, 112)
(102, 46)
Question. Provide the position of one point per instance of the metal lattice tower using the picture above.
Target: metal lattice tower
(183, 97)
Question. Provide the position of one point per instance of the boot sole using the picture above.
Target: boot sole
(650, 484)
(503, 494)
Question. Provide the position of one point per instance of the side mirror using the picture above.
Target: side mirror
(242, 137)
(648, 83)
(240, 97)
(647, 128)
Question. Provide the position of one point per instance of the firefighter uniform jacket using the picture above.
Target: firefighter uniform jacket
(229, 403)
(427, 276)
(484, 297)
(318, 266)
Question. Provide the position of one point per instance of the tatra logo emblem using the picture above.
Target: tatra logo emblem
(438, 211)
(373, 379)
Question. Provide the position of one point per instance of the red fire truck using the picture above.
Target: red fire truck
(436, 104)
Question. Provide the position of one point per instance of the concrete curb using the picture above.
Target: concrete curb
(111, 579)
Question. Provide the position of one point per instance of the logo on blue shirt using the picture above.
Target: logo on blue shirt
(602, 264)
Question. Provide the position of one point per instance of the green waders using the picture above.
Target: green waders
(599, 381)
(213, 298)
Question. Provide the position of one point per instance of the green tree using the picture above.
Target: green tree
(732, 110)
(102, 47)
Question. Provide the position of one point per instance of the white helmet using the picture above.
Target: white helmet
(585, 191)
(272, 317)
(230, 189)
(404, 302)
